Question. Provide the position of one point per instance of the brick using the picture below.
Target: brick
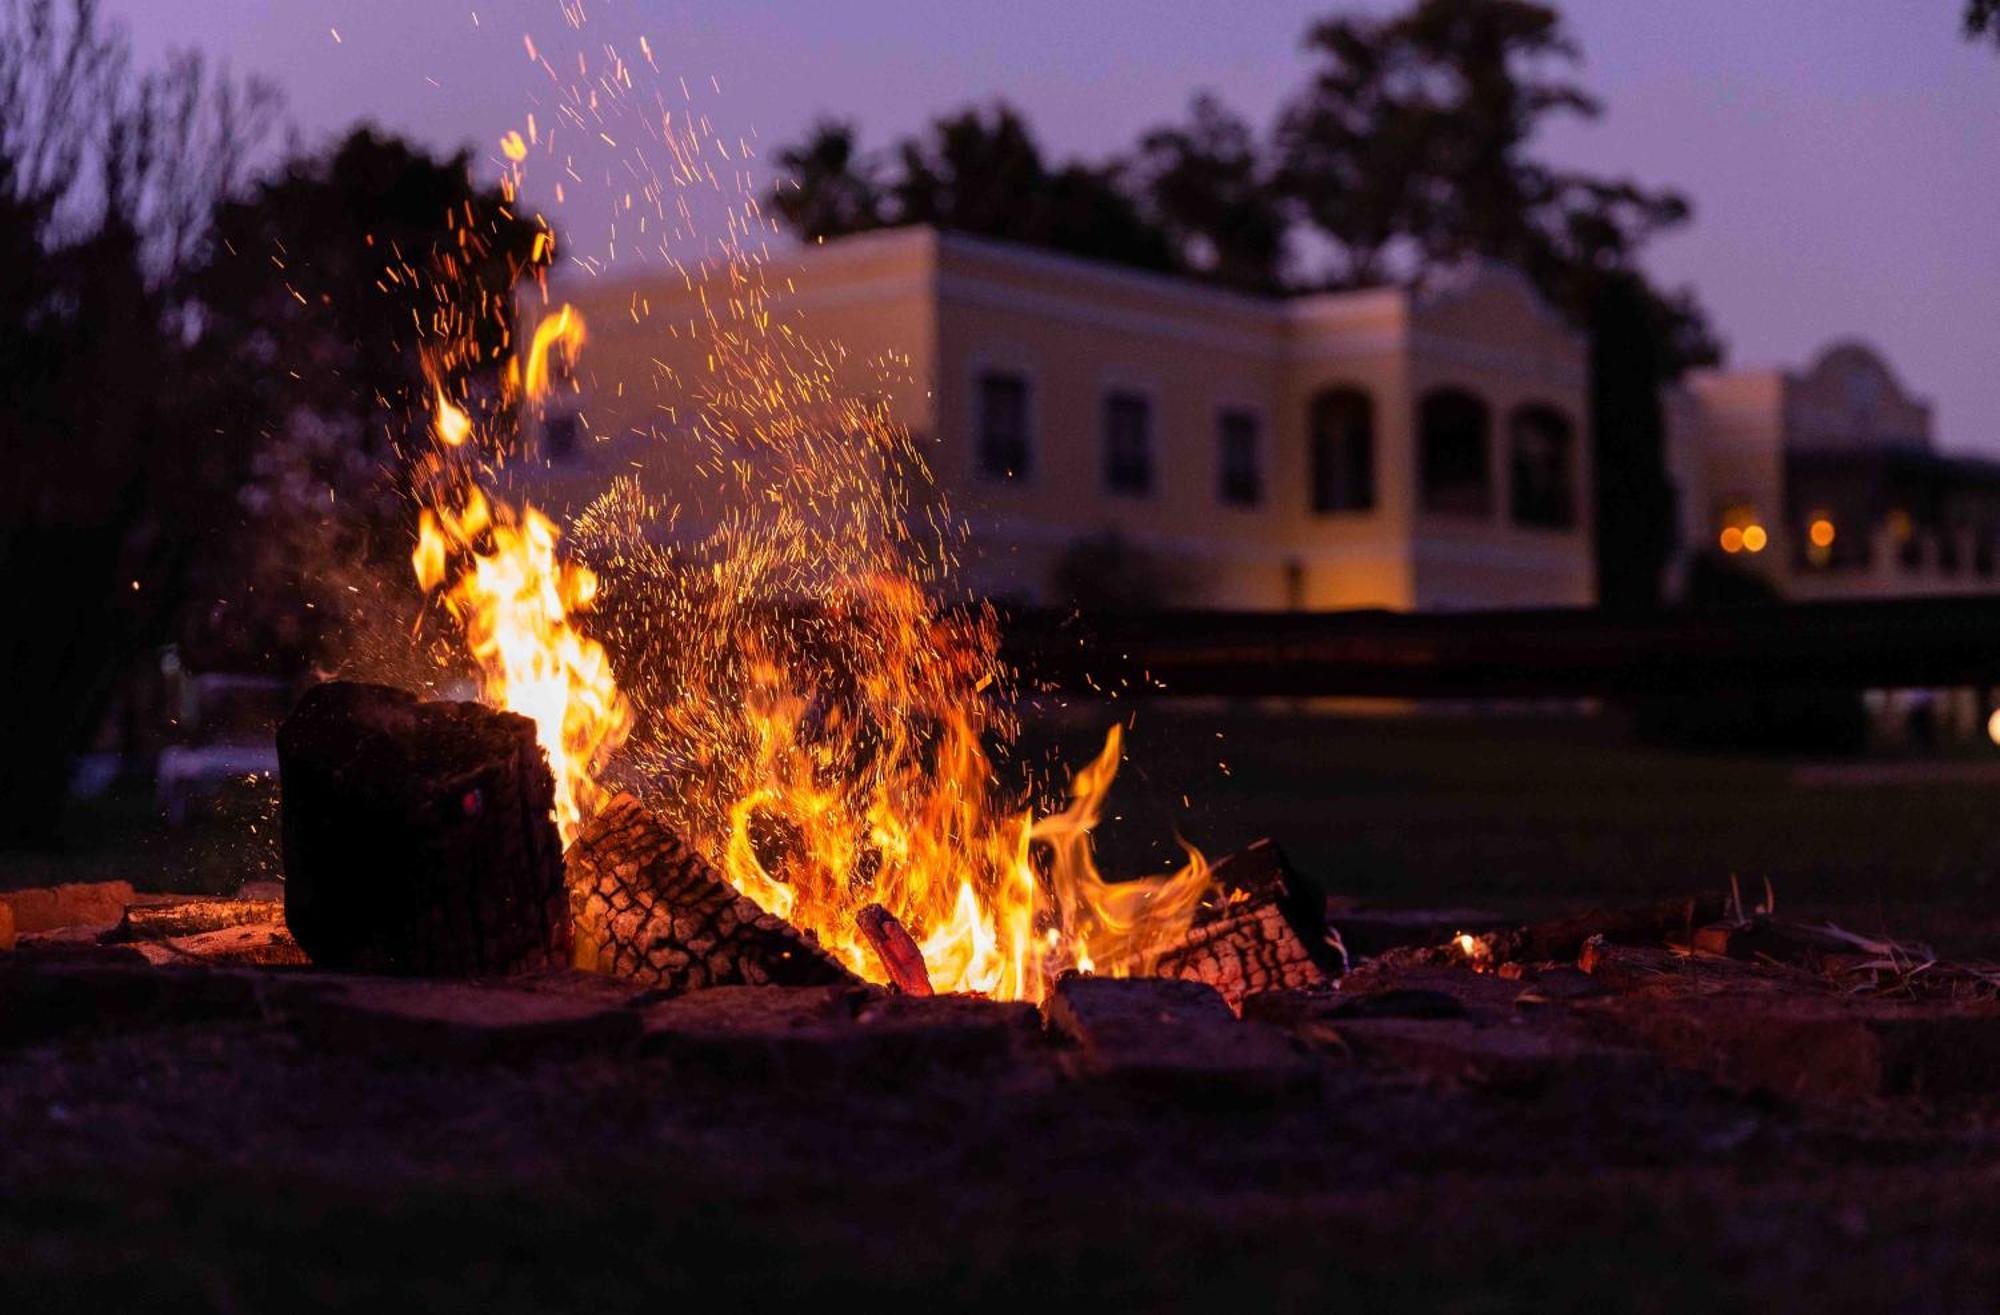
(1175, 1038)
(74, 904)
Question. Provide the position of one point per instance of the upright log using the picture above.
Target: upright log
(648, 908)
(419, 837)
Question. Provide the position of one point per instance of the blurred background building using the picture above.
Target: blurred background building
(1126, 438)
(1826, 481)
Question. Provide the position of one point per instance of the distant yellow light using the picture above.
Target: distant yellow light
(1754, 538)
(1732, 540)
(1993, 726)
(1821, 533)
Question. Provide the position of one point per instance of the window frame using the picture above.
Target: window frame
(1565, 430)
(1259, 425)
(1363, 495)
(1428, 501)
(1108, 467)
(982, 373)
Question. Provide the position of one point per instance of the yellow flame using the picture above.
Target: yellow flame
(516, 602)
(562, 330)
(453, 425)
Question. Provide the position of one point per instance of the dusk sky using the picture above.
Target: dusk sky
(1844, 159)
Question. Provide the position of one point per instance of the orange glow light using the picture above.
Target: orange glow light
(1732, 540)
(1821, 532)
(1754, 538)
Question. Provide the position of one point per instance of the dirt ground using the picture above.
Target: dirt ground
(276, 1140)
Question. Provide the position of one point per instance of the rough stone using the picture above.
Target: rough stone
(43, 999)
(1172, 1037)
(1818, 1047)
(466, 1021)
(1292, 1009)
(1512, 1055)
(756, 1033)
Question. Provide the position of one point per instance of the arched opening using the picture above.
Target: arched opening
(1542, 444)
(1343, 451)
(1454, 470)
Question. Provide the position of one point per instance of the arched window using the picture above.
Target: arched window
(1543, 464)
(1453, 467)
(1343, 451)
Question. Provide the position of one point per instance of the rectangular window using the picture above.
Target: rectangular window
(1241, 478)
(1003, 425)
(1128, 443)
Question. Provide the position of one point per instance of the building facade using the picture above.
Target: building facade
(1368, 449)
(1826, 482)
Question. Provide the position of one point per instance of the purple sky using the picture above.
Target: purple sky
(1844, 159)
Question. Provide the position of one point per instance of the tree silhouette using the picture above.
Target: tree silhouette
(1206, 182)
(978, 171)
(335, 278)
(116, 469)
(1982, 19)
(832, 190)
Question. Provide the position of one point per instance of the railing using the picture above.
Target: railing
(1554, 653)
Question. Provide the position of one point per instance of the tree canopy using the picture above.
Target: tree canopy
(200, 367)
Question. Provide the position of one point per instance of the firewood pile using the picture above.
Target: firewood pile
(418, 840)
(420, 846)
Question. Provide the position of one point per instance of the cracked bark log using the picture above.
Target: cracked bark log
(419, 837)
(1264, 929)
(648, 908)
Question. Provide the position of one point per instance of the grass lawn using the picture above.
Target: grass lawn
(1533, 813)
(1516, 813)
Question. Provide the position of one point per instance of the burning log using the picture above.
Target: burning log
(419, 837)
(1262, 929)
(647, 907)
(896, 948)
(1562, 940)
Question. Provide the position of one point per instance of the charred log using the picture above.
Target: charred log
(419, 837)
(1562, 939)
(1263, 928)
(896, 949)
(190, 917)
(648, 908)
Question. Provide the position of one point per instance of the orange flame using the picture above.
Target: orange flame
(562, 332)
(818, 720)
(516, 601)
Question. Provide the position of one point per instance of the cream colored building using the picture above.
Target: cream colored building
(1366, 449)
(1827, 482)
